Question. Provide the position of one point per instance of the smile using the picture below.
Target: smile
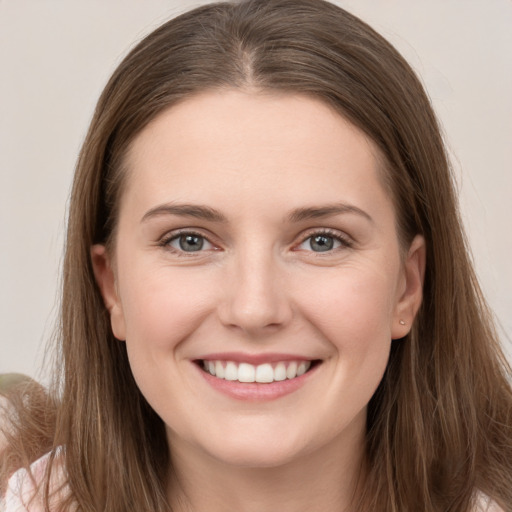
(263, 373)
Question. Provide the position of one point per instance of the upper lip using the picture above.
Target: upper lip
(255, 359)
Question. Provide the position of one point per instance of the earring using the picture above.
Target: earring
(402, 322)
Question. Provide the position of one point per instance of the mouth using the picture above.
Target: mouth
(266, 373)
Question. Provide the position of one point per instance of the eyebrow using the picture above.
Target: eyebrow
(185, 210)
(212, 215)
(316, 212)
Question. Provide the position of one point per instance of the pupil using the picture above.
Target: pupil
(191, 243)
(322, 243)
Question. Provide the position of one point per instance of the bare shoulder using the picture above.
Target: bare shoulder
(486, 504)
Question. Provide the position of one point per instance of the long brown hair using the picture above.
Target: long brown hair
(439, 425)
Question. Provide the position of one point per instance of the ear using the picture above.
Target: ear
(106, 280)
(411, 289)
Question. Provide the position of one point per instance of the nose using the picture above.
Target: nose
(255, 295)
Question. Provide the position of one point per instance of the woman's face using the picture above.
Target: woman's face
(256, 241)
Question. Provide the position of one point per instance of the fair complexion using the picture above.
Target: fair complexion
(255, 230)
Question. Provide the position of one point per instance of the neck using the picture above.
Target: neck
(327, 479)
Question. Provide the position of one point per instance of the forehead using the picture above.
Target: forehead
(281, 147)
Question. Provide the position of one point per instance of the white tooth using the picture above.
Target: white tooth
(264, 373)
(211, 367)
(205, 365)
(301, 370)
(219, 370)
(246, 372)
(231, 372)
(280, 372)
(291, 371)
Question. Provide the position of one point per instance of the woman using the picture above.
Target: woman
(267, 296)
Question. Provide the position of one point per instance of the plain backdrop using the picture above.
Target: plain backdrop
(56, 56)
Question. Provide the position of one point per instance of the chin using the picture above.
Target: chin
(256, 456)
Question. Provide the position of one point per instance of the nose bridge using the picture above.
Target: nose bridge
(256, 298)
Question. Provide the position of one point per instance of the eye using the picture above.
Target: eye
(323, 242)
(189, 242)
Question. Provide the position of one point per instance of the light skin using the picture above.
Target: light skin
(294, 251)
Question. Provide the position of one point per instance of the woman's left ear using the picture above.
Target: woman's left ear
(411, 289)
(105, 278)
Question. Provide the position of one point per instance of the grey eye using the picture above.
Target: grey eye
(189, 242)
(320, 243)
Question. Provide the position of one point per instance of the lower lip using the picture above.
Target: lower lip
(255, 391)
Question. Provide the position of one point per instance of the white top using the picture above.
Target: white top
(21, 495)
(20, 490)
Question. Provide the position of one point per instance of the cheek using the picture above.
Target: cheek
(352, 311)
(163, 306)
(353, 307)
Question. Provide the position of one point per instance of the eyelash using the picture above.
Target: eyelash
(344, 241)
(175, 235)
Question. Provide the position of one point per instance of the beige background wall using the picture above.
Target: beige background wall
(55, 57)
